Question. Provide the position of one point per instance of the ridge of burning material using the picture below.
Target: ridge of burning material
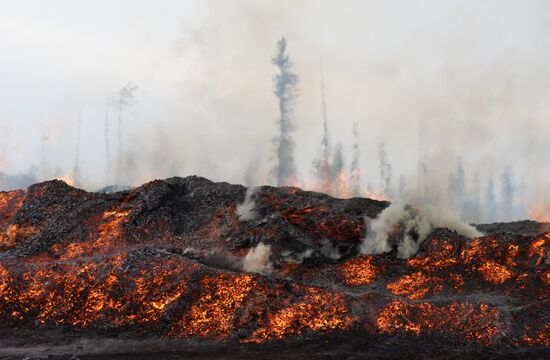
(174, 258)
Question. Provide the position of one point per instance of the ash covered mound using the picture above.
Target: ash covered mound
(186, 263)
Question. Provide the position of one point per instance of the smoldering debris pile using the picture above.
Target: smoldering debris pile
(190, 260)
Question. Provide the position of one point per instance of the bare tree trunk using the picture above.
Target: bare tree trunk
(119, 142)
(355, 173)
(285, 82)
(107, 148)
(76, 167)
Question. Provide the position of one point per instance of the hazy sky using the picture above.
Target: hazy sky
(471, 76)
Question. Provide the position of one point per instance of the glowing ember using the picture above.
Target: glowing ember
(538, 246)
(10, 202)
(83, 293)
(317, 311)
(121, 264)
(358, 271)
(14, 233)
(494, 273)
(416, 286)
(480, 323)
(540, 336)
(109, 237)
(213, 314)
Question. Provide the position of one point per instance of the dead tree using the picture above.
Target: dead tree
(285, 82)
(355, 174)
(322, 165)
(76, 167)
(385, 169)
(126, 98)
(106, 132)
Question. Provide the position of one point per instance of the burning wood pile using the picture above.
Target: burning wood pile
(182, 259)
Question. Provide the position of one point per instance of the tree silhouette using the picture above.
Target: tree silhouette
(285, 82)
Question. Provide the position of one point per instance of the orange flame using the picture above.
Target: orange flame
(539, 211)
(68, 178)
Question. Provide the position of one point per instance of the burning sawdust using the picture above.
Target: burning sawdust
(481, 323)
(103, 269)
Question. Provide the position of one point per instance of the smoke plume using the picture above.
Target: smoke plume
(329, 250)
(290, 256)
(258, 259)
(247, 210)
(412, 225)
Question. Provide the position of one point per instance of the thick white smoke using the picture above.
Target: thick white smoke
(258, 259)
(421, 222)
(247, 210)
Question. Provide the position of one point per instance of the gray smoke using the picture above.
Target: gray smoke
(285, 83)
(251, 173)
(217, 257)
(329, 250)
(247, 210)
(433, 90)
(415, 225)
(401, 186)
(257, 259)
(294, 257)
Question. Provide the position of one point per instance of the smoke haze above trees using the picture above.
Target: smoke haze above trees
(473, 76)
